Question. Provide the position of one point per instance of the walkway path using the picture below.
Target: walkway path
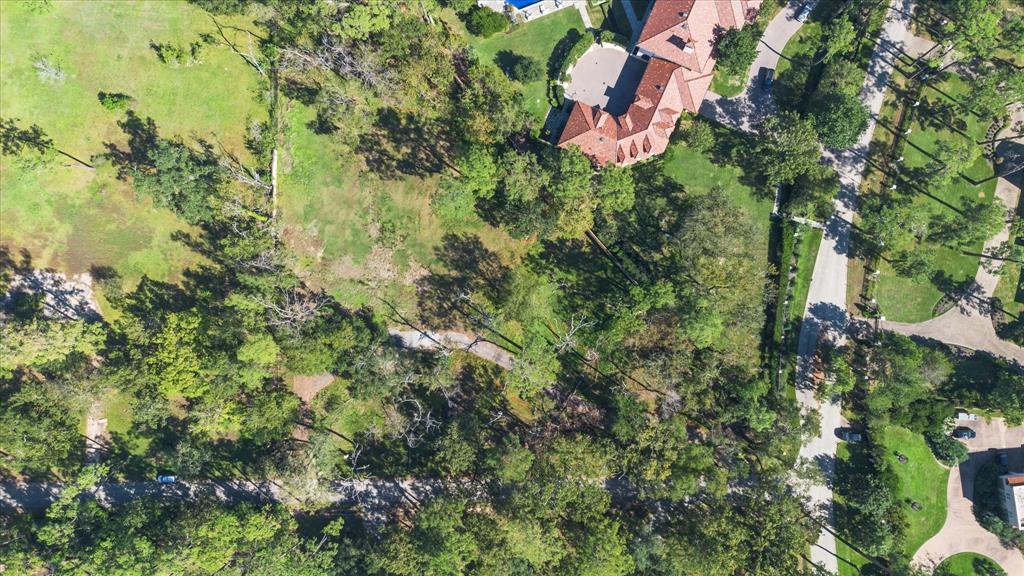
(582, 7)
(961, 532)
(755, 103)
(968, 323)
(477, 346)
(825, 313)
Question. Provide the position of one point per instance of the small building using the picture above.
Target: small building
(1013, 498)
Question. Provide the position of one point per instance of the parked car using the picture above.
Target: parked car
(851, 436)
(961, 414)
(767, 78)
(964, 433)
(803, 13)
(166, 479)
(1003, 459)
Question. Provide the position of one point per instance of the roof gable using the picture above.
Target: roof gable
(665, 14)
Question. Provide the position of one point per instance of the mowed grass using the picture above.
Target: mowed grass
(922, 480)
(699, 174)
(914, 299)
(965, 564)
(536, 39)
(71, 218)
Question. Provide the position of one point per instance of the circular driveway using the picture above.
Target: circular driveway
(605, 76)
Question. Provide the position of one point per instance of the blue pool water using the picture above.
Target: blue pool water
(521, 3)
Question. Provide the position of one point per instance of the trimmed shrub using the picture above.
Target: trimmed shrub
(575, 52)
(114, 101)
(485, 22)
(699, 136)
(526, 69)
(946, 449)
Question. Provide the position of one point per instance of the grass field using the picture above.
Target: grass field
(536, 39)
(922, 479)
(358, 236)
(71, 218)
(912, 299)
(966, 564)
(697, 172)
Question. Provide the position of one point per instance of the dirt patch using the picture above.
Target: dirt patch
(66, 298)
(307, 387)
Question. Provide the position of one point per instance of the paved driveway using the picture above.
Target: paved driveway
(961, 532)
(755, 103)
(606, 76)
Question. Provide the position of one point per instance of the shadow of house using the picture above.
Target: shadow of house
(623, 92)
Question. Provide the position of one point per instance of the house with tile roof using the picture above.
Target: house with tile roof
(677, 40)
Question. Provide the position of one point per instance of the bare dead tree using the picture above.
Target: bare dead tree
(294, 309)
(49, 70)
(567, 341)
(242, 173)
(250, 56)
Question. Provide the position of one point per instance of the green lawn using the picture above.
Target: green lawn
(913, 299)
(806, 253)
(1006, 290)
(536, 39)
(697, 172)
(71, 218)
(922, 479)
(728, 85)
(335, 214)
(966, 564)
(357, 236)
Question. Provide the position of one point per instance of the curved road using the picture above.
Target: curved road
(961, 532)
(743, 111)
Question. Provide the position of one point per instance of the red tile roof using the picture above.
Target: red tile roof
(664, 15)
(679, 35)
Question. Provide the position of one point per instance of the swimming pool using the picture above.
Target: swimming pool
(521, 3)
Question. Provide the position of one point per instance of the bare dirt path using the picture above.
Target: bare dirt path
(475, 345)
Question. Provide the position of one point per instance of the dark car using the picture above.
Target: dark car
(767, 78)
(851, 436)
(1003, 459)
(964, 433)
(803, 13)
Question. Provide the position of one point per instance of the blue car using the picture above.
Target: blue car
(166, 479)
(767, 78)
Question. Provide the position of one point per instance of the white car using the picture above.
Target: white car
(965, 415)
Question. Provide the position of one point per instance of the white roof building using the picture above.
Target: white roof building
(1013, 498)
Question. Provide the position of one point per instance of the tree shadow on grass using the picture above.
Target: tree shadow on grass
(469, 271)
(403, 143)
(561, 51)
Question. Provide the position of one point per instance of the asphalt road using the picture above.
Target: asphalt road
(825, 315)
